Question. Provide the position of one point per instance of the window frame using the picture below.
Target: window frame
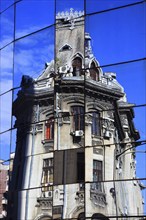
(78, 119)
(49, 129)
(94, 72)
(96, 124)
(47, 173)
(97, 174)
(77, 66)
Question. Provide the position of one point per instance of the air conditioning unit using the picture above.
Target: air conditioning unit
(64, 69)
(107, 134)
(79, 133)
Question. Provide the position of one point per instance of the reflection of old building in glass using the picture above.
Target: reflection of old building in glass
(75, 139)
(3, 188)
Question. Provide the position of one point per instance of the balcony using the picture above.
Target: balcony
(80, 194)
(48, 144)
(97, 196)
(45, 203)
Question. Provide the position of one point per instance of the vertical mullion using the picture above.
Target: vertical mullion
(84, 114)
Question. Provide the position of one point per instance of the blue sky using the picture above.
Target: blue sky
(117, 36)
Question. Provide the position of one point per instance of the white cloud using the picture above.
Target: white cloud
(7, 59)
(7, 30)
(6, 104)
(31, 53)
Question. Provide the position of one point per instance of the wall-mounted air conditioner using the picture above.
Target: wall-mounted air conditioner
(107, 134)
(63, 69)
(79, 133)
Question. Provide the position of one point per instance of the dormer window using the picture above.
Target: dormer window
(77, 66)
(65, 48)
(94, 72)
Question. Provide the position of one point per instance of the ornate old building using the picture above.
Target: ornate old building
(3, 188)
(75, 144)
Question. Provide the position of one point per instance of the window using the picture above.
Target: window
(97, 174)
(47, 177)
(94, 73)
(49, 129)
(80, 167)
(77, 66)
(78, 118)
(65, 47)
(95, 123)
(99, 216)
(81, 216)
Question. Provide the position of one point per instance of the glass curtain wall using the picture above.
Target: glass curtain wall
(63, 47)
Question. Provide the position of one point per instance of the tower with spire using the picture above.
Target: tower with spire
(71, 138)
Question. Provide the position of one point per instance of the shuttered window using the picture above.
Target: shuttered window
(49, 129)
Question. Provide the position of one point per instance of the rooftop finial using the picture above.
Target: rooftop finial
(67, 15)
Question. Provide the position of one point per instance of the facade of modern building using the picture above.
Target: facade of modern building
(75, 145)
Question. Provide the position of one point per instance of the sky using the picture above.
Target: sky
(117, 36)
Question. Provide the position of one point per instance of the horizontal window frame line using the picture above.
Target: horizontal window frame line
(123, 62)
(41, 121)
(85, 182)
(10, 90)
(115, 8)
(100, 145)
(8, 44)
(17, 1)
(34, 32)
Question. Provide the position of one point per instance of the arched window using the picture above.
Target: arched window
(94, 72)
(49, 129)
(98, 216)
(77, 66)
(81, 216)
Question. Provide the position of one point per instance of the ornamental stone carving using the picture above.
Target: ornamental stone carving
(44, 203)
(68, 15)
(98, 198)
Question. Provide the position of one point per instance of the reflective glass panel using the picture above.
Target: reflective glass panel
(66, 5)
(33, 15)
(13, 140)
(6, 69)
(5, 111)
(113, 194)
(120, 39)
(5, 146)
(7, 27)
(5, 4)
(66, 199)
(93, 6)
(31, 54)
